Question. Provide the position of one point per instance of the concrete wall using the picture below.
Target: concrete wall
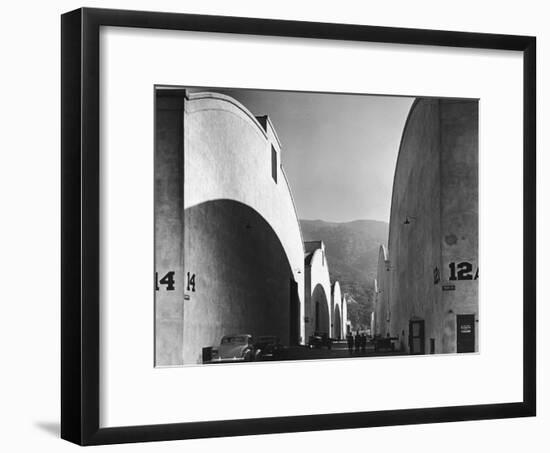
(318, 316)
(433, 223)
(381, 313)
(344, 316)
(168, 213)
(459, 217)
(241, 241)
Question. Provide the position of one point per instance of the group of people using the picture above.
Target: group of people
(359, 341)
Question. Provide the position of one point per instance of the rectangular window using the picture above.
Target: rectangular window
(273, 163)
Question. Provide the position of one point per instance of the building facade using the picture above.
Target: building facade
(318, 313)
(336, 306)
(225, 226)
(229, 253)
(381, 313)
(427, 293)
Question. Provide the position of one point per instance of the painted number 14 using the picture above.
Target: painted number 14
(170, 283)
(167, 280)
(190, 282)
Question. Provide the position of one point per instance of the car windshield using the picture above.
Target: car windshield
(235, 340)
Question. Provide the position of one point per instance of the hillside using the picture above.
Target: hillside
(352, 253)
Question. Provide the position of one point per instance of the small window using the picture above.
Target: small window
(273, 163)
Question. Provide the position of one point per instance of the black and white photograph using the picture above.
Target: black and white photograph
(243, 226)
(313, 225)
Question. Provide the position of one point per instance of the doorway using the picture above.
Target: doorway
(294, 314)
(465, 333)
(416, 337)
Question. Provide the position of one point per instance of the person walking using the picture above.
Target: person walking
(363, 343)
(349, 338)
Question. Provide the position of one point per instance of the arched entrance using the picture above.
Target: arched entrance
(337, 323)
(321, 317)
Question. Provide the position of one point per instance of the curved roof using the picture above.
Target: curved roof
(230, 100)
(415, 103)
(261, 128)
(309, 256)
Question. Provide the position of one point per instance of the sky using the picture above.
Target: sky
(338, 150)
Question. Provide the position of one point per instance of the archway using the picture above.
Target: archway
(320, 306)
(337, 323)
(238, 249)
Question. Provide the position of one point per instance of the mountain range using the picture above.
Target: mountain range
(352, 253)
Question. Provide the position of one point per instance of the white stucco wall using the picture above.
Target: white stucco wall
(434, 223)
(317, 279)
(242, 239)
(381, 307)
(235, 167)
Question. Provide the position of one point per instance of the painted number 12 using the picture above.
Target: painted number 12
(462, 271)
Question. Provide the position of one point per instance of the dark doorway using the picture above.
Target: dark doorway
(294, 314)
(316, 316)
(337, 325)
(465, 333)
(416, 337)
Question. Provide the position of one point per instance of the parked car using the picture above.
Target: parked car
(234, 348)
(384, 343)
(319, 339)
(268, 347)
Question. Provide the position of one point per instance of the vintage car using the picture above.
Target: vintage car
(268, 347)
(319, 339)
(384, 343)
(234, 348)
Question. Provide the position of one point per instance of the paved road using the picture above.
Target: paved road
(339, 350)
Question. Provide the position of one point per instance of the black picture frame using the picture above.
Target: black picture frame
(80, 188)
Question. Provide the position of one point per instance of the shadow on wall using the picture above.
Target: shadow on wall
(337, 323)
(320, 306)
(243, 282)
